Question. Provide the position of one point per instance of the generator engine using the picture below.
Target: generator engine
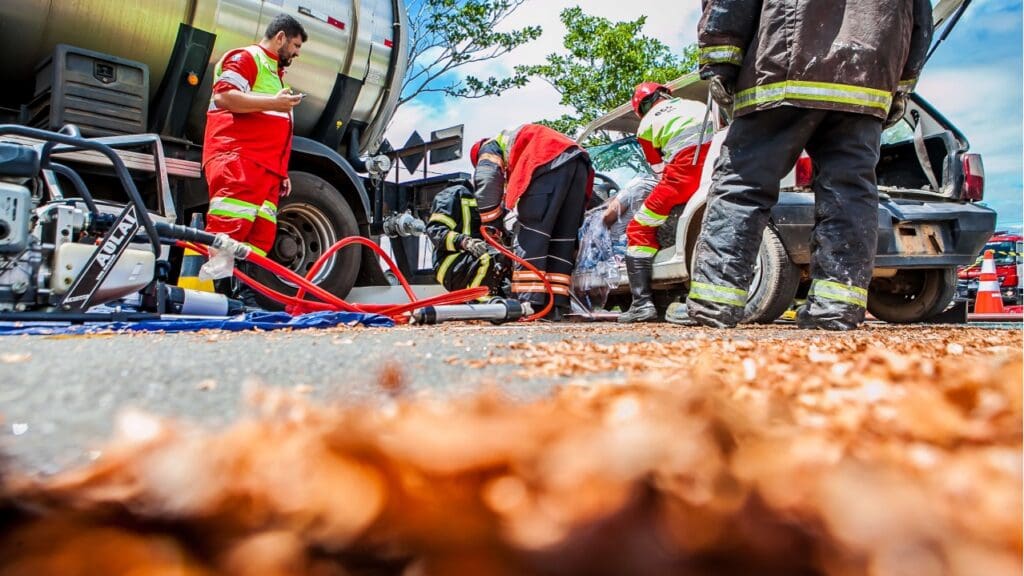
(44, 248)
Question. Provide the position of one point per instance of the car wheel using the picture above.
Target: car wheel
(309, 221)
(911, 295)
(775, 282)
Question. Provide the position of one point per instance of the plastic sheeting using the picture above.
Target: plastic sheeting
(250, 321)
(602, 249)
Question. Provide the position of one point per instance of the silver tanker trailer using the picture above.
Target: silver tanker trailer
(125, 69)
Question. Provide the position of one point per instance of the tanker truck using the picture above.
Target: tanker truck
(122, 70)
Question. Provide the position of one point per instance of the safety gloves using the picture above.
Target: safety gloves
(474, 246)
(723, 83)
(897, 109)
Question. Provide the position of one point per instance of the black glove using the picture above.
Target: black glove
(474, 246)
(723, 82)
(896, 110)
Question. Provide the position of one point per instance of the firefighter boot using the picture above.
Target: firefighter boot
(642, 309)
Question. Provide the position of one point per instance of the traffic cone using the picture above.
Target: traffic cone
(192, 262)
(990, 298)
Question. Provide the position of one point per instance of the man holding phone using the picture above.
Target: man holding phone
(248, 137)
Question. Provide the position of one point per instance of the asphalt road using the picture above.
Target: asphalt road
(59, 395)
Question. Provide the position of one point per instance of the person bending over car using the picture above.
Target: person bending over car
(671, 133)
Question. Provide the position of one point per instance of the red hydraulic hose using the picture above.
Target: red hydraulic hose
(544, 278)
(331, 302)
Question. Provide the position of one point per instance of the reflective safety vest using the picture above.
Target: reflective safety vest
(524, 150)
(672, 126)
(264, 137)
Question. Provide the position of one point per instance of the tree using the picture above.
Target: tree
(605, 60)
(450, 34)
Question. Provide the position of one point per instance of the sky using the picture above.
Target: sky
(974, 79)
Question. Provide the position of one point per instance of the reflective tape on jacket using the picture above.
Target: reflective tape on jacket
(256, 250)
(724, 54)
(837, 292)
(449, 241)
(720, 294)
(230, 208)
(447, 221)
(907, 86)
(813, 92)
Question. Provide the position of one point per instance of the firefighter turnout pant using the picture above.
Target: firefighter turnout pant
(678, 183)
(243, 201)
(550, 215)
(460, 270)
(759, 150)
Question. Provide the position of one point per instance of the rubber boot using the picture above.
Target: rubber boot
(678, 314)
(640, 271)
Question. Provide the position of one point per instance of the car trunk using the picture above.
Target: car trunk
(921, 155)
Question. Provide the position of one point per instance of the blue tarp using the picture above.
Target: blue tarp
(250, 321)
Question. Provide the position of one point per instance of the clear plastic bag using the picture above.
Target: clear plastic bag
(602, 249)
(221, 264)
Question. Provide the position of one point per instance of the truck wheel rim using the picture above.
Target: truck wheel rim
(311, 232)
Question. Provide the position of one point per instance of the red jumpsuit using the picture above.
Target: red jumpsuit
(668, 134)
(245, 155)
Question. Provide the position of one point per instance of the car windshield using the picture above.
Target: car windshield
(621, 160)
(1005, 252)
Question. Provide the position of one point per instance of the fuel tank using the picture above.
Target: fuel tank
(357, 49)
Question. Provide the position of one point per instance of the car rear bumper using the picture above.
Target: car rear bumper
(911, 234)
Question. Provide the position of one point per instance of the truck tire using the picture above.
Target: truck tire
(309, 221)
(911, 295)
(776, 280)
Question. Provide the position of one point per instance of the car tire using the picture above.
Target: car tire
(911, 295)
(309, 221)
(776, 280)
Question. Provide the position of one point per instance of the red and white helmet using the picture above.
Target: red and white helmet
(643, 91)
(474, 152)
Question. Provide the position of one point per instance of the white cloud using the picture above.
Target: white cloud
(666, 19)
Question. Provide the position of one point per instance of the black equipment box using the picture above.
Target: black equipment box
(101, 94)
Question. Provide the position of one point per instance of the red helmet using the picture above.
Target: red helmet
(474, 152)
(643, 91)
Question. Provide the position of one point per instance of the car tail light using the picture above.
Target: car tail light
(974, 178)
(804, 171)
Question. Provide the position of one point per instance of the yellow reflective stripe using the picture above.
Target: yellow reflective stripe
(268, 212)
(231, 208)
(438, 217)
(647, 217)
(814, 91)
(839, 292)
(721, 55)
(256, 250)
(481, 273)
(445, 265)
(449, 241)
(641, 251)
(907, 86)
(720, 294)
(467, 221)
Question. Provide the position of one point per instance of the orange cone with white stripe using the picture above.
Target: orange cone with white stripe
(989, 299)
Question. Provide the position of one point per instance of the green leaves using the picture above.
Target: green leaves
(448, 34)
(602, 64)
